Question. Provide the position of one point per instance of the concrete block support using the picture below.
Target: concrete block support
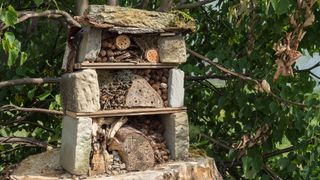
(76, 144)
(177, 134)
(80, 91)
(90, 44)
(172, 49)
(176, 88)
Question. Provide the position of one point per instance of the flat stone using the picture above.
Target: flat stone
(176, 88)
(76, 144)
(90, 44)
(172, 49)
(104, 16)
(177, 134)
(44, 164)
(141, 94)
(80, 91)
(194, 168)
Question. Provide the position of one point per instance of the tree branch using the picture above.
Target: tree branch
(310, 68)
(23, 81)
(247, 78)
(10, 107)
(201, 78)
(165, 5)
(278, 152)
(25, 15)
(216, 142)
(192, 5)
(23, 140)
(268, 170)
(223, 69)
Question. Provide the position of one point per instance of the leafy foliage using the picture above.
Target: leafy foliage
(237, 34)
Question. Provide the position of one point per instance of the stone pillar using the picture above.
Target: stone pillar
(177, 134)
(76, 144)
(176, 88)
(80, 91)
(172, 49)
(90, 44)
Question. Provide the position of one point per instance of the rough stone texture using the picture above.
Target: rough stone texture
(176, 88)
(80, 91)
(76, 144)
(192, 169)
(172, 49)
(177, 134)
(46, 164)
(107, 16)
(141, 94)
(90, 44)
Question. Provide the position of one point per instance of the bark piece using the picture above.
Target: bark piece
(134, 149)
(116, 126)
(122, 42)
(152, 55)
(135, 19)
(141, 94)
(98, 163)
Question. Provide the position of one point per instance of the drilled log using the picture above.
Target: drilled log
(151, 55)
(134, 149)
(122, 42)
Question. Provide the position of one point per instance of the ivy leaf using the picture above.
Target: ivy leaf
(9, 17)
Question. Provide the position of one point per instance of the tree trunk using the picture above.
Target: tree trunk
(112, 2)
(81, 6)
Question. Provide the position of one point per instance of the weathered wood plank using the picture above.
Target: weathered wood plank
(123, 65)
(129, 20)
(128, 112)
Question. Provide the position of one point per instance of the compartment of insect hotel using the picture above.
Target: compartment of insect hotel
(126, 48)
(122, 144)
(133, 88)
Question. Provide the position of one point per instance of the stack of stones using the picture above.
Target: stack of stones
(81, 89)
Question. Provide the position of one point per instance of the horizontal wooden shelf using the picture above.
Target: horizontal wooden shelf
(127, 112)
(123, 65)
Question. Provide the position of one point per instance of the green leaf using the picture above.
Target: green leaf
(31, 93)
(58, 99)
(44, 95)
(11, 46)
(23, 58)
(9, 17)
(280, 6)
(251, 166)
(38, 2)
(13, 55)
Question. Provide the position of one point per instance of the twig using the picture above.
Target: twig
(216, 142)
(11, 107)
(193, 5)
(23, 81)
(270, 172)
(25, 15)
(310, 68)
(197, 78)
(246, 78)
(223, 69)
(22, 140)
(278, 152)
